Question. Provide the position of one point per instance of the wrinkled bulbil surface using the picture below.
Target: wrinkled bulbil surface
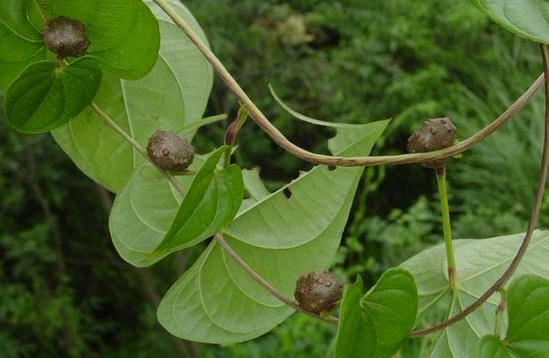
(66, 37)
(434, 134)
(169, 151)
(318, 291)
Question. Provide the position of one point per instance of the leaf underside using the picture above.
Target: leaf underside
(526, 18)
(280, 237)
(479, 264)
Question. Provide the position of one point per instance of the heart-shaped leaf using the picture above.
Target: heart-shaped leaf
(20, 43)
(282, 236)
(479, 264)
(528, 312)
(376, 324)
(45, 96)
(123, 34)
(211, 202)
(527, 18)
(172, 96)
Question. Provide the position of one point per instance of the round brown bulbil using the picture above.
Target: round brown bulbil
(318, 291)
(66, 37)
(169, 151)
(434, 134)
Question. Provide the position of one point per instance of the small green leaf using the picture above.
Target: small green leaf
(528, 312)
(21, 44)
(491, 347)
(528, 308)
(44, 96)
(352, 323)
(212, 200)
(377, 324)
(526, 18)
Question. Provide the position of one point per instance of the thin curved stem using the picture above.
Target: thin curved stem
(136, 146)
(262, 121)
(260, 280)
(531, 223)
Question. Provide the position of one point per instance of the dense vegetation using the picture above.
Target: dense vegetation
(65, 291)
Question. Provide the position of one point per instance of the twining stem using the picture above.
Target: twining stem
(257, 278)
(128, 138)
(262, 121)
(447, 228)
(544, 166)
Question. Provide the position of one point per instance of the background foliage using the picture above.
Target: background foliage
(65, 292)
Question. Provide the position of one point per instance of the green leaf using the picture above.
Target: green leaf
(377, 324)
(282, 236)
(124, 34)
(21, 44)
(211, 202)
(353, 323)
(479, 264)
(254, 187)
(172, 96)
(44, 96)
(528, 310)
(526, 18)
(491, 347)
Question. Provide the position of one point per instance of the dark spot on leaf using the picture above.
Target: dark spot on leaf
(331, 167)
(287, 192)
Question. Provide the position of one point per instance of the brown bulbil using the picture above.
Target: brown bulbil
(66, 37)
(170, 152)
(434, 134)
(318, 291)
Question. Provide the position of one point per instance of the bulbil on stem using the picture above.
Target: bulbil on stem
(66, 37)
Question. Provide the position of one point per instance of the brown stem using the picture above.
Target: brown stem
(262, 121)
(260, 280)
(531, 223)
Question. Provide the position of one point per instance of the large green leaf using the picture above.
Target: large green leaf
(479, 263)
(527, 18)
(171, 96)
(528, 312)
(282, 236)
(212, 200)
(376, 324)
(45, 97)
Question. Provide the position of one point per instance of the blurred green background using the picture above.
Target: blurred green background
(64, 292)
